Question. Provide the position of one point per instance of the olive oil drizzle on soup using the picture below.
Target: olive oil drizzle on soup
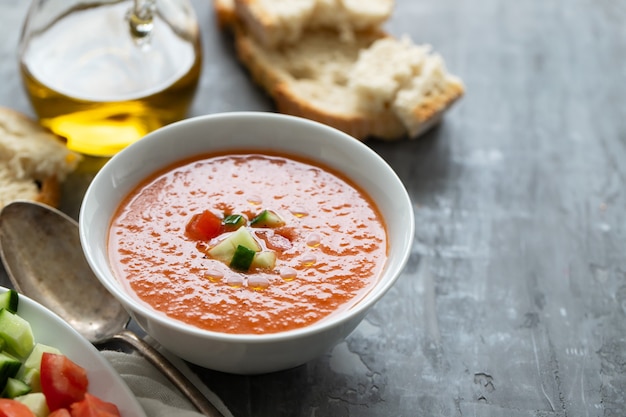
(329, 253)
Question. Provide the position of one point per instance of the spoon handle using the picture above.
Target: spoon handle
(171, 372)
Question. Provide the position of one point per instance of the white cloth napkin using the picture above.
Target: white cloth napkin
(156, 394)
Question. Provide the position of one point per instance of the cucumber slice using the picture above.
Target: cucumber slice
(17, 334)
(29, 371)
(242, 258)
(36, 401)
(234, 221)
(15, 388)
(31, 377)
(267, 218)
(34, 359)
(9, 300)
(9, 366)
(225, 250)
(264, 260)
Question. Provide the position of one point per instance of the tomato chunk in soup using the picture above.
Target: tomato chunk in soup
(325, 254)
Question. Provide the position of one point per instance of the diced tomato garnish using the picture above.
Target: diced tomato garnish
(275, 241)
(61, 412)
(288, 233)
(204, 226)
(63, 382)
(14, 408)
(92, 406)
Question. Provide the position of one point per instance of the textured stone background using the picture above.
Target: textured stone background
(513, 303)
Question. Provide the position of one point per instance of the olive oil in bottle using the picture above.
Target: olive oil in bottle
(102, 77)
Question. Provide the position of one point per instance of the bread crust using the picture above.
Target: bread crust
(225, 15)
(382, 125)
(49, 192)
(430, 111)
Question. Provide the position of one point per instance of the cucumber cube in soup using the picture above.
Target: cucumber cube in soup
(267, 218)
(264, 260)
(17, 333)
(234, 221)
(225, 250)
(242, 258)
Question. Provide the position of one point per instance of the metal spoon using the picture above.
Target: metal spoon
(41, 252)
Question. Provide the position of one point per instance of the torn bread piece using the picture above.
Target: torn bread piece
(33, 161)
(368, 85)
(407, 78)
(279, 22)
(351, 85)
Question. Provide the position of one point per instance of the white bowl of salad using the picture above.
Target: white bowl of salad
(48, 369)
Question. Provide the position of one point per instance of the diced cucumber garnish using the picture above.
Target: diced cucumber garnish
(225, 250)
(17, 333)
(36, 401)
(241, 251)
(9, 300)
(15, 388)
(267, 218)
(242, 258)
(234, 221)
(264, 260)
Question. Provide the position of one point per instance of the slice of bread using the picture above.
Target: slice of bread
(278, 22)
(33, 161)
(369, 85)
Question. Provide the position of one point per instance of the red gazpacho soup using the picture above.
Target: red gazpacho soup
(248, 243)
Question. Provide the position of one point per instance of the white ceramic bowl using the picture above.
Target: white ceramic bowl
(104, 381)
(236, 353)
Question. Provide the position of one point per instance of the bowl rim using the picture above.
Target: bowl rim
(133, 304)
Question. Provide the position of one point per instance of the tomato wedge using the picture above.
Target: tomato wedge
(13, 408)
(92, 406)
(63, 382)
(61, 412)
(204, 226)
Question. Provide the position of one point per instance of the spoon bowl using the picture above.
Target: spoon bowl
(41, 252)
(40, 248)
